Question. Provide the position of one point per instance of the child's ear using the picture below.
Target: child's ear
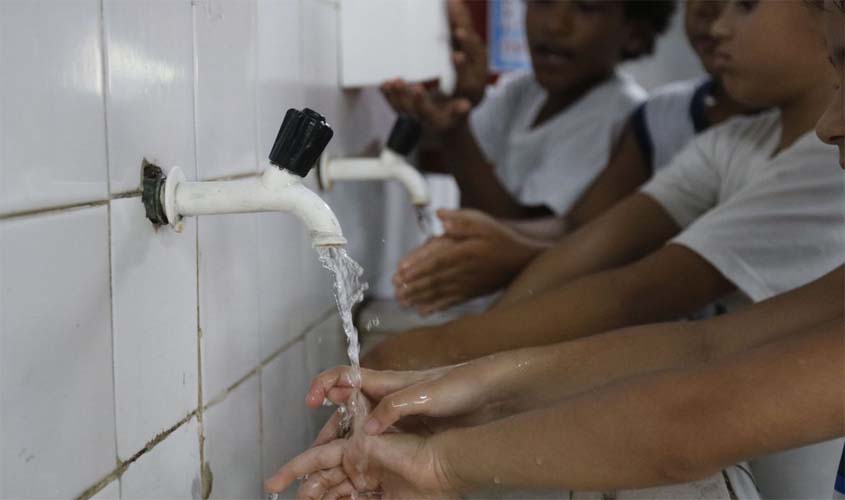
(640, 40)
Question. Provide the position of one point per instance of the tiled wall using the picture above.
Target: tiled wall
(130, 356)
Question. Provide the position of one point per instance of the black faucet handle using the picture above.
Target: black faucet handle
(404, 135)
(301, 140)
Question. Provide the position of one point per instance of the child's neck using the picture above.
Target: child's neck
(800, 115)
(558, 101)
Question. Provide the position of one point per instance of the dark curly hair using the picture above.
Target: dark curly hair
(654, 16)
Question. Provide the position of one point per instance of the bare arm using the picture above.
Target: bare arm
(667, 284)
(665, 427)
(532, 378)
(625, 172)
(516, 381)
(628, 231)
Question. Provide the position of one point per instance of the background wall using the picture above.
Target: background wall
(136, 363)
(130, 357)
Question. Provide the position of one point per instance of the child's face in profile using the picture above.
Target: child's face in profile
(699, 17)
(831, 126)
(573, 43)
(770, 52)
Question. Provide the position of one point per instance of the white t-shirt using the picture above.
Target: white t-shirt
(767, 224)
(670, 118)
(551, 164)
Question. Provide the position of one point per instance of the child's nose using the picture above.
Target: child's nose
(831, 126)
(721, 27)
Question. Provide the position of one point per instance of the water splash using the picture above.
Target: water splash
(349, 290)
(425, 221)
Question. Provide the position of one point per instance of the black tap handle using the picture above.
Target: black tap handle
(404, 135)
(301, 140)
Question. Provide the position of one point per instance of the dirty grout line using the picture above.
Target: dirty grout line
(126, 194)
(104, 54)
(48, 210)
(204, 475)
(102, 201)
(269, 359)
(123, 465)
(121, 468)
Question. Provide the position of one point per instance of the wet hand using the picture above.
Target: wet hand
(455, 396)
(391, 465)
(476, 255)
(336, 386)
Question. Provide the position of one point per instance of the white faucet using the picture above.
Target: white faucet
(302, 137)
(390, 165)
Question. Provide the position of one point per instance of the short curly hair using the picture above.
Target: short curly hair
(654, 15)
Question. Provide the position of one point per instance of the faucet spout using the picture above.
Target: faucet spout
(301, 139)
(388, 166)
(275, 191)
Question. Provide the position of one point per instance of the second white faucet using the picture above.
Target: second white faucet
(390, 165)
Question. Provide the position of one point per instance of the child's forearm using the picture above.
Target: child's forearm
(666, 427)
(616, 238)
(537, 377)
(648, 292)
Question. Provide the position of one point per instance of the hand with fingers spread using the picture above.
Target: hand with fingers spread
(387, 466)
(476, 255)
(422, 401)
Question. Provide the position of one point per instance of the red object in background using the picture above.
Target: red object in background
(479, 9)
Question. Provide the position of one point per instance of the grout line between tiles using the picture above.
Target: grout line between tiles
(267, 360)
(97, 203)
(48, 210)
(124, 465)
(204, 472)
(121, 468)
(104, 54)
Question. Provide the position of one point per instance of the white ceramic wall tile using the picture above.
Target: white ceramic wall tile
(279, 67)
(413, 41)
(154, 294)
(232, 445)
(110, 492)
(55, 354)
(325, 347)
(170, 470)
(226, 87)
(229, 303)
(319, 59)
(51, 98)
(287, 431)
(149, 63)
(282, 305)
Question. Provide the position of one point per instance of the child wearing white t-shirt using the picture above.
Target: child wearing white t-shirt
(551, 164)
(478, 254)
(750, 206)
(537, 140)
